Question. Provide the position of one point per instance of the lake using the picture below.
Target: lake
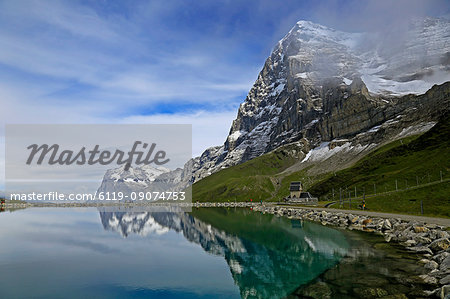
(209, 253)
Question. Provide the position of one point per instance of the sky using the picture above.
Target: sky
(158, 61)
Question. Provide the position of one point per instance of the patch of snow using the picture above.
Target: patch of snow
(277, 90)
(235, 135)
(311, 124)
(307, 156)
(347, 81)
(340, 140)
(417, 129)
(390, 122)
(302, 75)
(374, 129)
(376, 84)
(317, 153)
(323, 151)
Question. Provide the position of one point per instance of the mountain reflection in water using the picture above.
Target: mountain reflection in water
(268, 256)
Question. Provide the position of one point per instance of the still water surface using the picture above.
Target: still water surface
(209, 253)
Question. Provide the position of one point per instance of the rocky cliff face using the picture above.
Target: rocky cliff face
(325, 88)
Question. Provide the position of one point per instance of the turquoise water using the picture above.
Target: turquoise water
(210, 253)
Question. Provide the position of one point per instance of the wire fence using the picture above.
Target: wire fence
(383, 186)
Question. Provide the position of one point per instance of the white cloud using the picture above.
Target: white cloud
(208, 128)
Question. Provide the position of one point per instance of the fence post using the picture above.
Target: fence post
(374, 188)
(417, 180)
(349, 199)
(421, 207)
(396, 185)
(364, 198)
(355, 191)
(441, 174)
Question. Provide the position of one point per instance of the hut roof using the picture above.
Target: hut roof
(295, 186)
(305, 195)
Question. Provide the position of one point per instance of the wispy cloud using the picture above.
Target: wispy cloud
(74, 45)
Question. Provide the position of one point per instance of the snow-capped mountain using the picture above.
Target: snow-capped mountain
(134, 179)
(338, 92)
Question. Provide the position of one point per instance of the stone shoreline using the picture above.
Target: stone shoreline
(429, 240)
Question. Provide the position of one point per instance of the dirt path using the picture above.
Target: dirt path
(430, 220)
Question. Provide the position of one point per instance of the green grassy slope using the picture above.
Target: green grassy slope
(401, 165)
(412, 160)
(250, 180)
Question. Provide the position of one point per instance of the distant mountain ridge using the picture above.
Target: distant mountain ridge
(324, 89)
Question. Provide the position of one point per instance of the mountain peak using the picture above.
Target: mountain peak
(308, 24)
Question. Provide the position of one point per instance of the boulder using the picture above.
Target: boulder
(445, 264)
(422, 240)
(354, 219)
(371, 292)
(395, 296)
(420, 229)
(441, 234)
(389, 237)
(366, 221)
(317, 290)
(431, 265)
(428, 279)
(410, 243)
(440, 244)
(421, 249)
(445, 292)
(386, 225)
(445, 280)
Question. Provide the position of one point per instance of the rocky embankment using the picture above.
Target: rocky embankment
(431, 241)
